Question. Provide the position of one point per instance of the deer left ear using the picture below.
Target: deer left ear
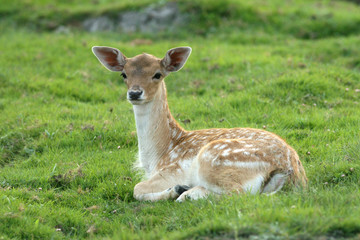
(175, 58)
(111, 58)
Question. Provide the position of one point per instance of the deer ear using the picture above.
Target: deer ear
(111, 58)
(175, 58)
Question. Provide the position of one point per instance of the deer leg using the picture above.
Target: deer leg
(276, 182)
(141, 193)
(194, 193)
(162, 186)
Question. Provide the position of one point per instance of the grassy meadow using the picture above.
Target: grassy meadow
(67, 133)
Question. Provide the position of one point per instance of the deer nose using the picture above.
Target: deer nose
(135, 94)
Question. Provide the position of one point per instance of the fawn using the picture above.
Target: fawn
(182, 164)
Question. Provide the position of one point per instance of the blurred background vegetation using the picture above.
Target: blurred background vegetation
(228, 20)
(67, 135)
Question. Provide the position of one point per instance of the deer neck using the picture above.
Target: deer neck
(155, 128)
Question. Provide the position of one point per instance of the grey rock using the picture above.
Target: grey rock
(98, 24)
(130, 21)
(62, 30)
(150, 19)
(161, 18)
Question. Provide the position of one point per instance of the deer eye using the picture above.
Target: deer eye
(123, 75)
(157, 76)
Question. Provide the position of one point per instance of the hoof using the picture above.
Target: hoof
(179, 189)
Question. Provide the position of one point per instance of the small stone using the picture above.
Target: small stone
(91, 229)
(186, 121)
(92, 208)
(239, 87)
(35, 198)
(21, 207)
(302, 65)
(87, 127)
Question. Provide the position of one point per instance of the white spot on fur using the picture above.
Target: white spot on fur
(246, 153)
(222, 146)
(171, 146)
(185, 164)
(288, 158)
(226, 152)
(206, 155)
(253, 165)
(251, 136)
(215, 162)
(238, 150)
(173, 155)
(217, 146)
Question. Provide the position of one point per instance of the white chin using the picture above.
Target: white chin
(136, 102)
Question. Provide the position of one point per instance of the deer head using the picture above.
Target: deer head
(142, 73)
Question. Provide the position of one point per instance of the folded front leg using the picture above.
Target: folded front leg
(170, 193)
(166, 184)
(195, 193)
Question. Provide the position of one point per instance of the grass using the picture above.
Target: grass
(67, 140)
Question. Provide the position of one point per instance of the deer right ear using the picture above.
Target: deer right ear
(175, 58)
(111, 58)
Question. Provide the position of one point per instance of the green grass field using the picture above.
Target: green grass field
(67, 134)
